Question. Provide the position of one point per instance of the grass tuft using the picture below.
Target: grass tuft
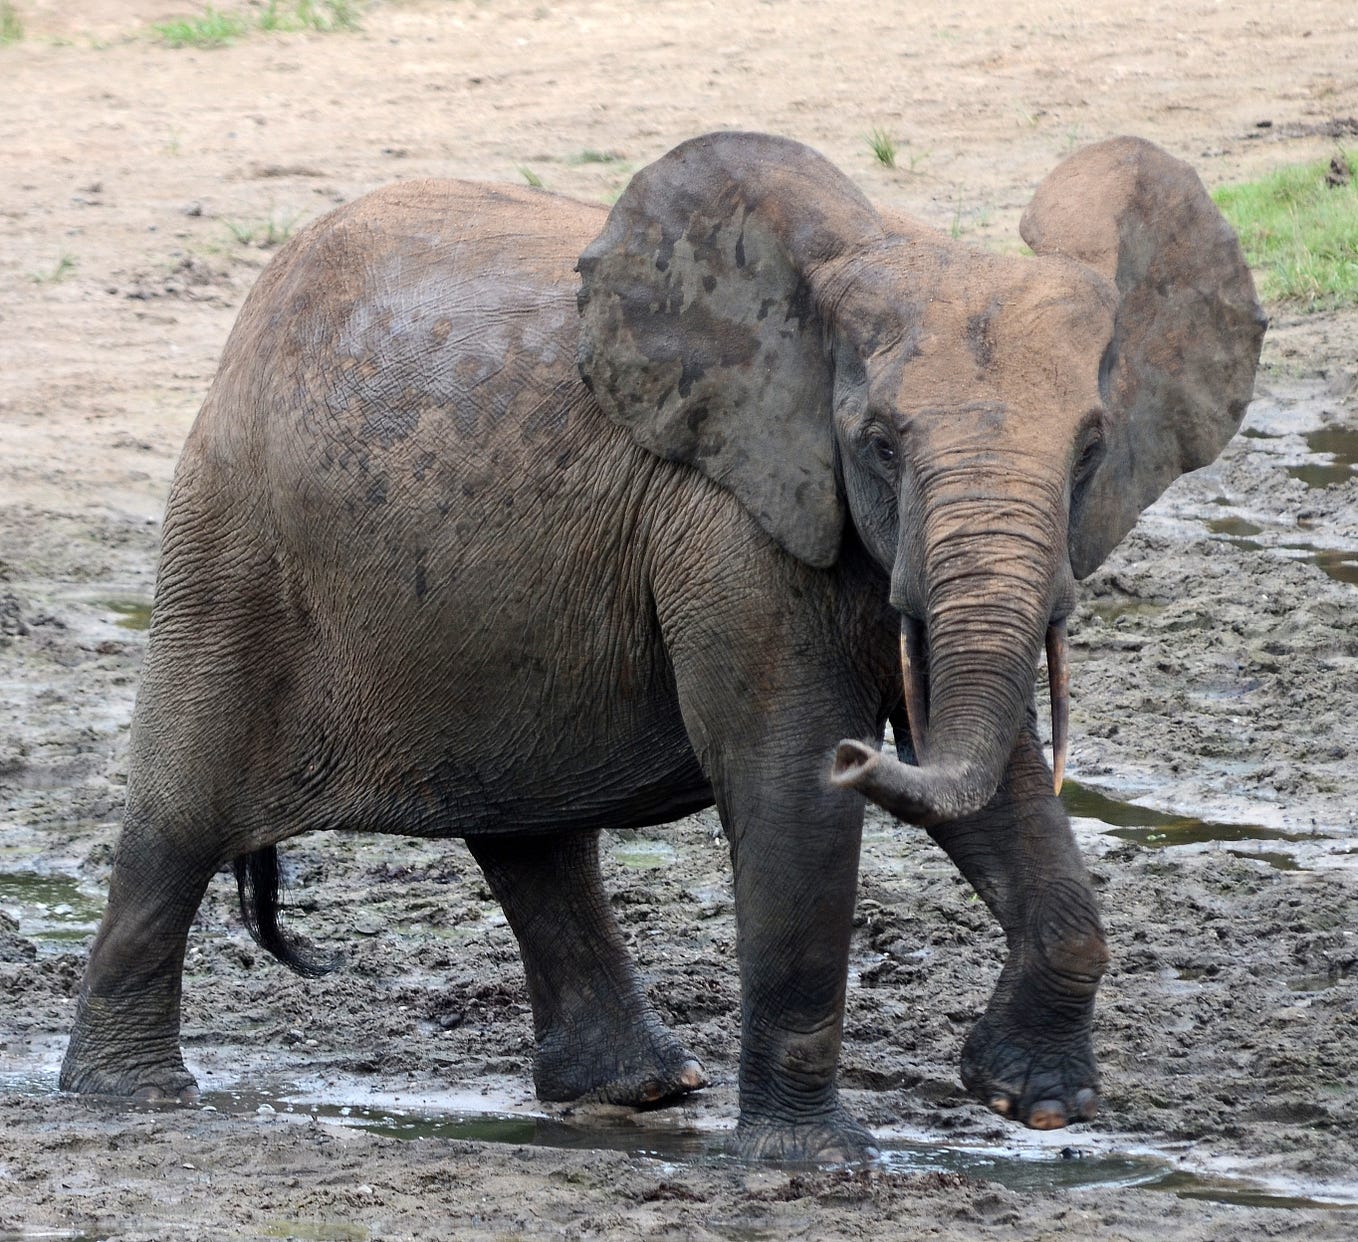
(883, 148)
(63, 268)
(325, 16)
(210, 28)
(591, 156)
(1299, 230)
(531, 177)
(11, 25)
(265, 234)
(214, 28)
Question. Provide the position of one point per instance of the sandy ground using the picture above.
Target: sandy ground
(141, 189)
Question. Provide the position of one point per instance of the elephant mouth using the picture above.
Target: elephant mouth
(914, 665)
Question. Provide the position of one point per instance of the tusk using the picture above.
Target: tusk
(1058, 676)
(912, 655)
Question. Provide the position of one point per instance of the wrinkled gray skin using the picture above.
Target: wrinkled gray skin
(419, 578)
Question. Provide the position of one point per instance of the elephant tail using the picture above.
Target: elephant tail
(259, 882)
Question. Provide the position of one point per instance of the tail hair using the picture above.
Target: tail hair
(259, 881)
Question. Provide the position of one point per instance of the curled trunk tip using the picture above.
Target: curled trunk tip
(924, 796)
(851, 761)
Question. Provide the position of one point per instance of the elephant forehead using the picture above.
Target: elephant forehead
(1026, 336)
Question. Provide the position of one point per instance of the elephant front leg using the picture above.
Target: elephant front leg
(796, 869)
(1030, 1057)
(597, 1036)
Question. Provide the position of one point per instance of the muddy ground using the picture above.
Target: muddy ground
(141, 189)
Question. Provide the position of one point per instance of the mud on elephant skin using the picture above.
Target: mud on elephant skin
(463, 544)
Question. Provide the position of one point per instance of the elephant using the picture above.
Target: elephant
(465, 545)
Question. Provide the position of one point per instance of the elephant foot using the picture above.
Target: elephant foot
(1030, 1058)
(169, 1088)
(142, 1082)
(644, 1071)
(834, 1139)
(1019, 1076)
(109, 1055)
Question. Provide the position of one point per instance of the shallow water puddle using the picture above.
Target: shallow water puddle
(1037, 1168)
(132, 614)
(50, 1235)
(1340, 445)
(1033, 1163)
(1290, 428)
(1067, 1169)
(1320, 476)
(51, 909)
(639, 852)
(317, 1231)
(1219, 1190)
(1154, 829)
(518, 1130)
(1237, 527)
(1341, 564)
(1337, 974)
(1045, 1169)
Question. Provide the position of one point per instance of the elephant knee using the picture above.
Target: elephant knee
(1069, 938)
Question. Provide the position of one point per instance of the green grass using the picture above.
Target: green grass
(210, 28)
(1300, 235)
(266, 234)
(325, 16)
(967, 219)
(591, 156)
(883, 148)
(531, 177)
(215, 28)
(11, 25)
(64, 267)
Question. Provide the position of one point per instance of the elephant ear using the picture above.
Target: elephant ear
(702, 326)
(1180, 370)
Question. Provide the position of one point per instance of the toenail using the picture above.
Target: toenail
(692, 1076)
(1047, 1115)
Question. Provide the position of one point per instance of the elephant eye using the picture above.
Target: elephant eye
(882, 448)
(1091, 454)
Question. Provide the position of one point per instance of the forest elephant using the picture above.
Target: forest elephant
(466, 544)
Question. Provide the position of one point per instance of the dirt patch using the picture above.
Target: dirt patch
(145, 188)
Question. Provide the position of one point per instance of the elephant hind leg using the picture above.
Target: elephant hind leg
(125, 1040)
(597, 1036)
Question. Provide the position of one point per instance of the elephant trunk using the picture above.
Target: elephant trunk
(993, 573)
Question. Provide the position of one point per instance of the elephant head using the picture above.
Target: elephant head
(990, 425)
